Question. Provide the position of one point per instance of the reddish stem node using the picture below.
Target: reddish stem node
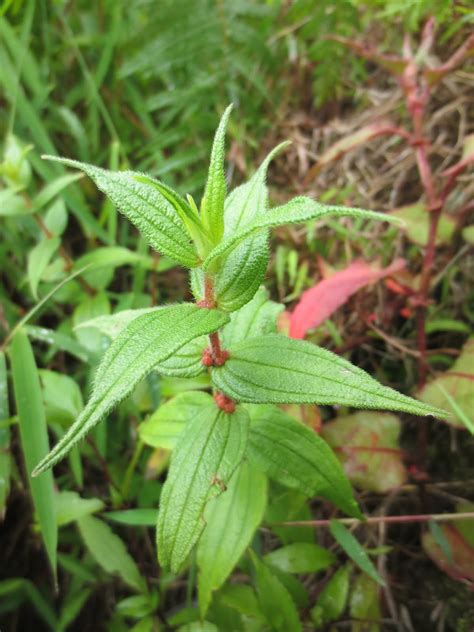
(224, 403)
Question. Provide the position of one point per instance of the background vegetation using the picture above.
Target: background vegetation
(141, 84)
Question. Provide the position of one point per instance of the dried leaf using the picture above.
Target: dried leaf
(319, 302)
(367, 445)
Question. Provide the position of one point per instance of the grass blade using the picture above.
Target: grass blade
(34, 438)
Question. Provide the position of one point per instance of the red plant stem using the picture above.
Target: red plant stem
(219, 356)
(381, 520)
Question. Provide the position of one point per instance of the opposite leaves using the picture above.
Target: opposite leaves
(203, 461)
(145, 206)
(279, 370)
(147, 340)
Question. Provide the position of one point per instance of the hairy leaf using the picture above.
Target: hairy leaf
(212, 207)
(231, 521)
(354, 550)
(186, 362)
(147, 340)
(294, 455)
(34, 438)
(164, 427)
(145, 207)
(279, 370)
(244, 268)
(298, 210)
(203, 461)
(256, 318)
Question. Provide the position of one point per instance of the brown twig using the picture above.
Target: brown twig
(407, 519)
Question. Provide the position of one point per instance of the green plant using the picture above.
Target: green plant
(227, 440)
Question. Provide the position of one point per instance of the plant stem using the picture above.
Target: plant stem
(447, 517)
(218, 354)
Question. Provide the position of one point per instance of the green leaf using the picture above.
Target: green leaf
(69, 507)
(274, 599)
(62, 397)
(34, 438)
(186, 362)
(309, 464)
(243, 270)
(300, 557)
(198, 626)
(276, 369)
(146, 341)
(332, 600)
(38, 259)
(212, 206)
(109, 551)
(255, 319)
(231, 521)
(297, 211)
(202, 463)
(54, 188)
(145, 207)
(416, 218)
(135, 517)
(454, 390)
(5, 456)
(59, 340)
(165, 426)
(354, 550)
(364, 605)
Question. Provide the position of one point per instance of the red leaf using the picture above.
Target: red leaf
(319, 302)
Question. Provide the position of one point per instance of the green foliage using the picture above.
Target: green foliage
(146, 341)
(231, 521)
(276, 369)
(204, 459)
(216, 491)
(34, 438)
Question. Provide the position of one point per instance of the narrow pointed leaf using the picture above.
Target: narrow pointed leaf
(147, 340)
(279, 370)
(274, 599)
(186, 362)
(216, 187)
(243, 271)
(145, 207)
(109, 551)
(354, 550)
(5, 456)
(34, 438)
(298, 210)
(310, 466)
(203, 461)
(231, 521)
